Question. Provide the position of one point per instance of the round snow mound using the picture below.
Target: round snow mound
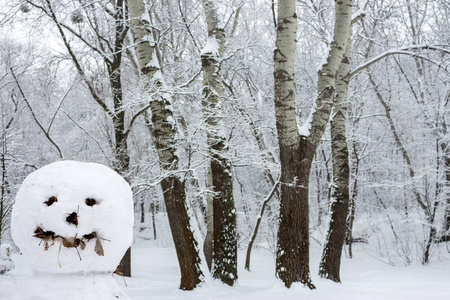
(72, 217)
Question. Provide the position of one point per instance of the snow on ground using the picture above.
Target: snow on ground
(363, 277)
(156, 276)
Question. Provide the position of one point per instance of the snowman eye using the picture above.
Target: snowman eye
(51, 200)
(91, 202)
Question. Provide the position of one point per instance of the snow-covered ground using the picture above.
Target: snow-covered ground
(156, 276)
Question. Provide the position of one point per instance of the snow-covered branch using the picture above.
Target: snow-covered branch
(404, 50)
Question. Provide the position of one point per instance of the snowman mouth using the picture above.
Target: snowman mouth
(48, 238)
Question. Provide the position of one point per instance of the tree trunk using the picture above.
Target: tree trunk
(5, 206)
(185, 244)
(319, 196)
(224, 231)
(121, 161)
(164, 138)
(208, 242)
(297, 148)
(224, 238)
(258, 222)
(351, 217)
(292, 262)
(152, 208)
(142, 207)
(296, 153)
(445, 150)
(125, 264)
(331, 258)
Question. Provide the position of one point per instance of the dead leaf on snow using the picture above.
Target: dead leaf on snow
(99, 248)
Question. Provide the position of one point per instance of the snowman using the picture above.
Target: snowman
(73, 222)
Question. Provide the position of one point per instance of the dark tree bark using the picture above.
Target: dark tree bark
(125, 264)
(142, 207)
(152, 208)
(293, 233)
(224, 232)
(185, 244)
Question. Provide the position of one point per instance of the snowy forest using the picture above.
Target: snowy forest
(275, 149)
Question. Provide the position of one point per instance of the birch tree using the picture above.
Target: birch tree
(332, 251)
(297, 146)
(340, 198)
(221, 212)
(164, 138)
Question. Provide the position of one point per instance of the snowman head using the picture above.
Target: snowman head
(72, 217)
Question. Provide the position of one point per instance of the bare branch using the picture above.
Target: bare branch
(191, 80)
(85, 131)
(92, 47)
(235, 22)
(187, 26)
(403, 50)
(34, 116)
(58, 108)
(76, 62)
(258, 222)
(133, 119)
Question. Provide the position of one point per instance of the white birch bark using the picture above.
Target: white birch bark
(326, 82)
(284, 55)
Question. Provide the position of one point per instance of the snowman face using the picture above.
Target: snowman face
(73, 217)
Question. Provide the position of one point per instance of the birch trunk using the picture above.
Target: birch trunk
(297, 149)
(354, 193)
(224, 239)
(331, 258)
(292, 262)
(164, 132)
